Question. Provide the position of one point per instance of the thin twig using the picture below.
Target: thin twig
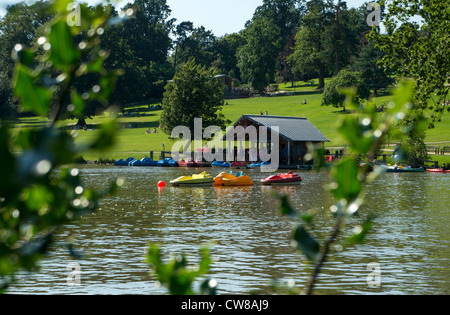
(323, 257)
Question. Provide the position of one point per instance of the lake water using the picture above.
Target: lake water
(250, 241)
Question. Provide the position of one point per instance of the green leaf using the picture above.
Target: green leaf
(33, 97)
(403, 97)
(306, 243)
(176, 276)
(205, 261)
(96, 65)
(61, 5)
(154, 258)
(107, 85)
(347, 185)
(355, 134)
(359, 233)
(77, 102)
(62, 53)
(106, 136)
(24, 56)
(285, 208)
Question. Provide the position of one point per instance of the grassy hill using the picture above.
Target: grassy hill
(134, 141)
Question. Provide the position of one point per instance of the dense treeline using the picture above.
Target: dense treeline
(285, 41)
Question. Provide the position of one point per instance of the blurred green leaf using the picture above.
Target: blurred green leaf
(306, 244)
(25, 56)
(38, 192)
(358, 136)
(205, 261)
(175, 274)
(33, 97)
(62, 53)
(61, 5)
(37, 197)
(107, 85)
(359, 233)
(93, 17)
(285, 208)
(106, 137)
(77, 102)
(347, 185)
(320, 159)
(96, 65)
(402, 99)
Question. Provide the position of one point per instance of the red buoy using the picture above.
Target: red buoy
(161, 184)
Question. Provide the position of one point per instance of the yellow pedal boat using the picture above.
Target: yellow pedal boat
(227, 179)
(202, 179)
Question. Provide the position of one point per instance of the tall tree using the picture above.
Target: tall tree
(6, 109)
(367, 63)
(350, 26)
(337, 37)
(195, 43)
(226, 57)
(345, 79)
(257, 58)
(330, 35)
(285, 14)
(147, 37)
(193, 93)
(182, 32)
(148, 33)
(287, 72)
(419, 49)
(18, 26)
(314, 46)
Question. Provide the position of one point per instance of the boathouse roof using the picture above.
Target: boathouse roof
(296, 129)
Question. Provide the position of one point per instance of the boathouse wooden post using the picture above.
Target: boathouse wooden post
(289, 153)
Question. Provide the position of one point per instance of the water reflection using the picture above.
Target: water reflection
(251, 241)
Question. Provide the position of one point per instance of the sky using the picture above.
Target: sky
(220, 16)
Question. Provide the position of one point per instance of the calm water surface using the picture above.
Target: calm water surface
(251, 242)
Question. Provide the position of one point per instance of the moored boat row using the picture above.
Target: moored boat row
(238, 179)
(169, 162)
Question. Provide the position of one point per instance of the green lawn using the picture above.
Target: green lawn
(133, 140)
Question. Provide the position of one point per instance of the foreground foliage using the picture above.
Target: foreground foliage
(39, 191)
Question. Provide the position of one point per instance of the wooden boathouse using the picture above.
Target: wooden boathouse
(295, 135)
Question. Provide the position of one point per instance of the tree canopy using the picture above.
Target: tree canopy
(328, 37)
(193, 93)
(257, 58)
(286, 40)
(416, 45)
(333, 94)
(366, 63)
